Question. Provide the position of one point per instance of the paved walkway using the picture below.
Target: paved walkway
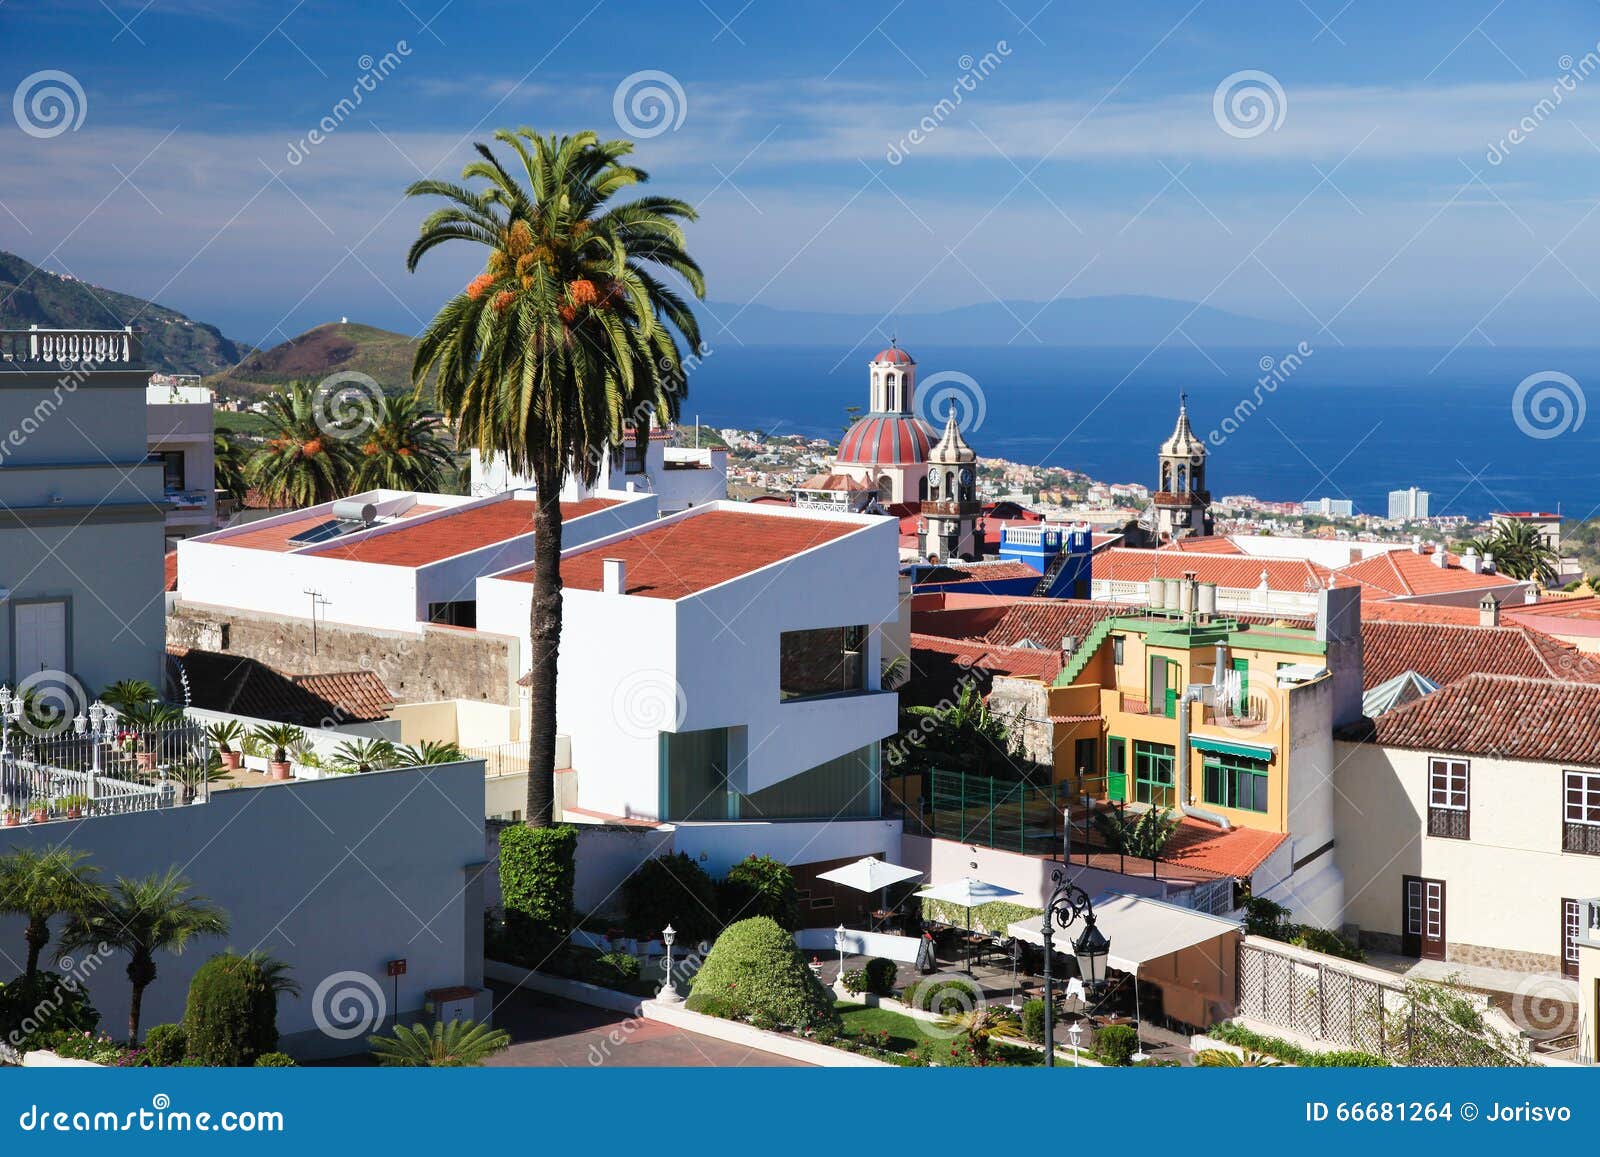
(1547, 985)
(547, 1031)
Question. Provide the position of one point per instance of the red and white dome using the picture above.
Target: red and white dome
(886, 439)
(894, 355)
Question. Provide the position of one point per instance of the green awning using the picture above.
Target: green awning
(1243, 750)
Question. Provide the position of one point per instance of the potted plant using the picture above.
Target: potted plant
(39, 810)
(11, 817)
(73, 805)
(279, 737)
(223, 735)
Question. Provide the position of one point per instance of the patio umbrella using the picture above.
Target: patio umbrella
(870, 874)
(969, 892)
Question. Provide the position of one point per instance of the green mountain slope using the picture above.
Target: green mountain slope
(327, 349)
(173, 343)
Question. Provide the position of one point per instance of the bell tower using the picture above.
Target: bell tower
(949, 527)
(1182, 502)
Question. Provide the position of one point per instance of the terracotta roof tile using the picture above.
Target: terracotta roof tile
(1021, 661)
(1445, 653)
(461, 530)
(171, 565)
(1124, 564)
(1399, 573)
(1389, 611)
(1503, 716)
(243, 686)
(967, 572)
(1237, 853)
(276, 538)
(673, 559)
(1205, 544)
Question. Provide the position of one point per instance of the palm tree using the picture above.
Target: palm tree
(428, 753)
(41, 885)
(126, 693)
(406, 450)
(540, 356)
(1228, 1059)
(982, 1025)
(229, 457)
(363, 755)
(960, 736)
(1144, 837)
(274, 971)
(141, 917)
(458, 1044)
(301, 464)
(1520, 552)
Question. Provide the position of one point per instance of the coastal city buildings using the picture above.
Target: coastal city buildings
(1409, 505)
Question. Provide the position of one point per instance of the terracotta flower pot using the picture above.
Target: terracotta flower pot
(74, 813)
(40, 815)
(12, 819)
(232, 759)
(278, 770)
(147, 760)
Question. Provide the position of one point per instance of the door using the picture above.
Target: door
(1423, 934)
(41, 637)
(1571, 931)
(1241, 668)
(1116, 769)
(1157, 694)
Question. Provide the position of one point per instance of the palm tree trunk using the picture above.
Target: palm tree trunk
(544, 634)
(37, 936)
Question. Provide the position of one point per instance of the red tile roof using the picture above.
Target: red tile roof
(1048, 621)
(674, 559)
(1446, 653)
(276, 538)
(968, 572)
(1241, 572)
(1026, 662)
(1237, 853)
(171, 566)
(1389, 611)
(244, 686)
(457, 532)
(1398, 573)
(1206, 544)
(1500, 716)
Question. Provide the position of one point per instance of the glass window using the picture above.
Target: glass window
(1583, 797)
(830, 661)
(1152, 773)
(843, 788)
(1447, 783)
(1235, 781)
(1116, 649)
(694, 771)
(171, 463)
(1086, 756)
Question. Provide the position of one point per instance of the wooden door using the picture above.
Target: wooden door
(1423, 932)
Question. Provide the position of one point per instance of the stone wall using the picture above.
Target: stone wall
(431, 663)
(1025, 706)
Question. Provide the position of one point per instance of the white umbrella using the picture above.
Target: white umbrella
(969, 892)
(870, 874)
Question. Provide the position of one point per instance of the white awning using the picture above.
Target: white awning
(1140, 929)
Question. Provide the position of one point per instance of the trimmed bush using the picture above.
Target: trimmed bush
(855, 981)
(671, 890)
(760, 886)
(276, 1061)
(755, 970)
(537, 870)
(165, 1045)
(33, 1011)
(232, 1014)
(1033, 1020)
(1116, 1044)
(945, 995)
(611, 970)
(881, 974)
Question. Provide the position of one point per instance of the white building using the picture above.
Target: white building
(678, 476)
(1329, 507)
(384, 559)
(1409, 505)
(721, 667)
(182, 427)
(81, 510)
(1468, 822)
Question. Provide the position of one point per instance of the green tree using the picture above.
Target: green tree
(1519, 552)
(961, 736)
(300, 464)
(407, 449)
(539, 358)
(40, 885)
(458, 1044)
(230, 459)
(141, 917)
(1144, 836)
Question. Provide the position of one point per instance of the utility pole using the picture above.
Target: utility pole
(316, 601)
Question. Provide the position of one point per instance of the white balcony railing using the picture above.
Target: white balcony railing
(69, 347)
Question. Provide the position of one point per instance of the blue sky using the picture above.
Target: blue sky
(1088, 158)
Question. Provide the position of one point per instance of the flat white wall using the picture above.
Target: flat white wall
(1316, 893)
(719, 846)
(1503, 886)
(343, 874)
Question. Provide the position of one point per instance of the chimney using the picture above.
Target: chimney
(1488, 611)
(614, 576)
(1069, 644)
(1488, 563)
(1441, 557)
(1416, 544)
(1471, 561)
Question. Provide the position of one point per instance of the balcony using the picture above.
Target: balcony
(1581, 838)
(85, 348)
(1449, 823)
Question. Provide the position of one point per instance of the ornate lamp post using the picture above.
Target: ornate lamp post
(1067, 905)
(669, 987)
(11, 707)
(838, 944)
(1076, 1033)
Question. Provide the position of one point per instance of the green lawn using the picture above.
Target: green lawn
(863, 1021)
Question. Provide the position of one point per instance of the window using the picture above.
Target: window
(460, 613)
(632, 460)
(1448, 812)
(1152, 773)
(1235, 781)
(1163, 694)
(171, 463)
(830, 661)
(1581, 813)
(1116, 649)
(1086, 757)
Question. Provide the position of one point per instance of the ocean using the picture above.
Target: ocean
(1480, 429)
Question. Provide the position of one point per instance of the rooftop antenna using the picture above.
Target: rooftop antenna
(316, 601)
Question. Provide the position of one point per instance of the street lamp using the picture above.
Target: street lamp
(1068, 904)
(1076, 1033)
(669, 987)
(838, 943)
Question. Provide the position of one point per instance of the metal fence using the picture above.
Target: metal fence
(51, 775)
(974, 809)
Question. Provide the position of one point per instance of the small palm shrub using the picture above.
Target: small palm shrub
(232, 1014)
(459, 1044)
(278, 738)
(363, 755)
(755, 970)
(427, 754)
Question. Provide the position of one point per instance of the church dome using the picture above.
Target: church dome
(885, 439)
(1183, 443)
(894, 355)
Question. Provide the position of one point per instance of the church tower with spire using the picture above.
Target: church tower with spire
(949, 523)
(1181, 506)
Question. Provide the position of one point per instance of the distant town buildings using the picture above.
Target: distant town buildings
(1329, 507)
(1409, 505)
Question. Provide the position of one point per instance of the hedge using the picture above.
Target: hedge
(537, 869)
(672, 890)
(755, 971)
(165, 1045)
(760, 886)
(1283, 1050)
(232, 1014)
